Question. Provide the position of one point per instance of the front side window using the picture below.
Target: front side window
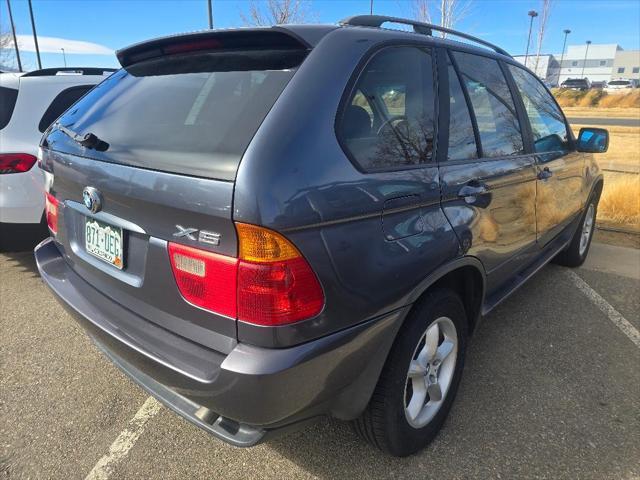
(492, 104)
(547, 122)
(388, 121)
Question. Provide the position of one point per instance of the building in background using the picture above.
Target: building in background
(604, 62)
(627, 65)
(597, 67)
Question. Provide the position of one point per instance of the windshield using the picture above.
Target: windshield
(191, 114)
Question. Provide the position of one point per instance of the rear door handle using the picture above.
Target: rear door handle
(471, 190)
(545, 174)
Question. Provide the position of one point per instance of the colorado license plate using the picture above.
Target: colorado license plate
(103, 241)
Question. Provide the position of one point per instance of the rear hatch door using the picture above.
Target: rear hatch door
(167, 135)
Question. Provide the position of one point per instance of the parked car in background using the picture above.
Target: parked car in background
(576, 84)
(600, 85)
(621, 84)
(261, 226)
(29, 103)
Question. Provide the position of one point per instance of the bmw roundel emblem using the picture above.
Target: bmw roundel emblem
(92, 199)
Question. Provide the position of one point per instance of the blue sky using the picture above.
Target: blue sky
(117, 23)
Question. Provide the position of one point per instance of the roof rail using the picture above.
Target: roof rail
(418, 27)
(45, 72)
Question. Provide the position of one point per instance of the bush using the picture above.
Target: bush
(620, 201)
(596, 98)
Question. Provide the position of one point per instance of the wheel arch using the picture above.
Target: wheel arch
(466, 276)
(596, 188)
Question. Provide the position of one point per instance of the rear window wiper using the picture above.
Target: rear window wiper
(88, 140)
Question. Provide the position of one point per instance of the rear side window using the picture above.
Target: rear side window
(547, 122)
(388, 121)
(462, 143)
(8, 97)
(492, 104)
(192, 114)
(63, 100)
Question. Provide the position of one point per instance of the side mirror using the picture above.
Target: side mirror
(593, 140)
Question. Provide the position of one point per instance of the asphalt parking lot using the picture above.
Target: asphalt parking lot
(551, 389)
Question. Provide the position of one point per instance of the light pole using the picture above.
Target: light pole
(35, 35)
(585, 57)
(371, 7)
(210, 11)
(564, 46)
(64, 57)
(533, 14)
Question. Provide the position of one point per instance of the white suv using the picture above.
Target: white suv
(620, 84)
(29, 103)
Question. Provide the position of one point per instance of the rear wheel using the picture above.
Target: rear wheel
(577, 251)
(420, 378)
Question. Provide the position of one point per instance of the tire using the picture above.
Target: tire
(577, 251)
(386, 422)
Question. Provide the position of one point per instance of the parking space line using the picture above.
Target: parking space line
(125, 441)
(616, 317)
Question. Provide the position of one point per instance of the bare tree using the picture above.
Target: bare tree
(7, 49)
(274, 12)
(545, 12)
(420, 10)
(452, 12)
(449, 12)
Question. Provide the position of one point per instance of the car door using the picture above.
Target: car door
(488, 180)
(560, 167)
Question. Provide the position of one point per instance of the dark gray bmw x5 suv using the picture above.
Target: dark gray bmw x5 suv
(261, 226)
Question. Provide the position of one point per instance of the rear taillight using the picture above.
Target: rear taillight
(16, 162)
(269, 284)
(205, 279)
(276, 285)
(51, 211)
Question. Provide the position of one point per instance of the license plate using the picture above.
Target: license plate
(103, 241)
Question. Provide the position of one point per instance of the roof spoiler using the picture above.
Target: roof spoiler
(211, 40)
(46, 72)
(418, 27)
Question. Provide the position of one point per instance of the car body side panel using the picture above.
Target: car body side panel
(497, 227)
(370, 237)
(561, 197)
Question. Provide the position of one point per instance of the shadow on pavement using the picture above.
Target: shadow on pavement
(25, 261)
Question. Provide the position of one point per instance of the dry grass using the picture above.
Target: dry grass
(595, 112)
(620, 202)
(597, 98)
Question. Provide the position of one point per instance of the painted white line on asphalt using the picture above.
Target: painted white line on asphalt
(125, 441)
(615, 316)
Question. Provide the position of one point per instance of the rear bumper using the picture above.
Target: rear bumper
(240, 397)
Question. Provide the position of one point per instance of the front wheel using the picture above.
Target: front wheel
(577, 251)
(420, 378)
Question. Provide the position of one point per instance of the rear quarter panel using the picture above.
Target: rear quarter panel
(370, 237)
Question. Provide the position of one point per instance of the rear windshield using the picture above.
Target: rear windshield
(8, 98)
(192, 114)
